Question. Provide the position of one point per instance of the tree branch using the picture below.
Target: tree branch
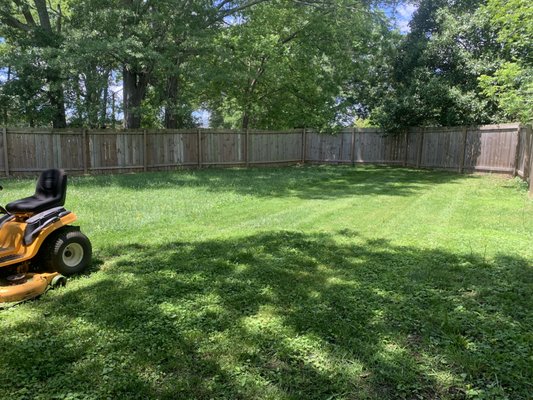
(240, 8)
(222, 4)
(25, 9)
(13, 22)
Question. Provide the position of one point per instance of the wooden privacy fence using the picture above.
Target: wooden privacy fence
(506, 148)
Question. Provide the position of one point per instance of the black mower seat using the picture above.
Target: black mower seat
(50, 192)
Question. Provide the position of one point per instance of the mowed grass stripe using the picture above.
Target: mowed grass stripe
(314, 282)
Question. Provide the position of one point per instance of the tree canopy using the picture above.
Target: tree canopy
(264, 63)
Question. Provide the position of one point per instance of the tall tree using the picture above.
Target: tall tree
(511, 84)
(151, 41)
(34, 30)
(435, 81)
(286, 64)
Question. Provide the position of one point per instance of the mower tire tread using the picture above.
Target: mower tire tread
(59, 255)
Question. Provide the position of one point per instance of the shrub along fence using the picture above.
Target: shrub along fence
(505, 148)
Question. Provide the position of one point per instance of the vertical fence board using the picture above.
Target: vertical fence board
(442, 148)
(70, 153)
(412, 146)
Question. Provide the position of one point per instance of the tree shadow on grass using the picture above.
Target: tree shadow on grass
(310, 182)
(279, 315)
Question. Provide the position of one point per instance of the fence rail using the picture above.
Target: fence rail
(504, 148)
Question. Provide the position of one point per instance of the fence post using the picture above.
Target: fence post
(531, 169)
(406, 145)
(463, 150)
(6, 153)
(420, 146)
(52, 148)
(246, 151)
(199, 147)
(85, 147)
(304, 144)
(530, 159)
(528, 150)
(352, 152)
(517, 150)
(145, 150)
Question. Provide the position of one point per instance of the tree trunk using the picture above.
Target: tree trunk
(5, 106)
(55, 94)
(250, 93)
(60, 117)
(57, 101)
(44, 17)
(245, 120)
(91, 101)
(171, 114)
(105, 94)
(135, 84)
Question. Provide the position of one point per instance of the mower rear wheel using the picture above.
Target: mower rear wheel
(69, 252)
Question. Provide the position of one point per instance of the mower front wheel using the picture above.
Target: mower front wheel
(69, 252)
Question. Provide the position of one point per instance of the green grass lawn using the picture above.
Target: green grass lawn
(295, 283)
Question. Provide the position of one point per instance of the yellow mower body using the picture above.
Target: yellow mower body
(12, 249)
(38, 246)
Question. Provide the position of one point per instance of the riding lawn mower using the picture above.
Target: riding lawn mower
(38, 246)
